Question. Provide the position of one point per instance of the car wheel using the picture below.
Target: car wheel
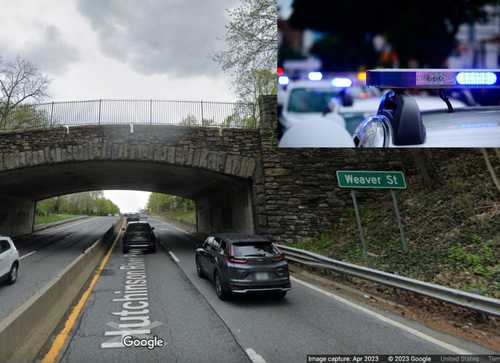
(153, 249)
(221, 292)
(125, 250)
(199, 271)
(280, 294)
(13, 273)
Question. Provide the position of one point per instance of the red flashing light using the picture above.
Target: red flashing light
(279, 71)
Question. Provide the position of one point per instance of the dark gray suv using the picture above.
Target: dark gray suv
(139, 235)
(241, 263)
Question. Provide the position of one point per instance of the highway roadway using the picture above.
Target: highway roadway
(183, 311)
(45, 253)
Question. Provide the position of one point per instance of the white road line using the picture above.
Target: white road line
(27, 255)
(256, 358)
(173, 256)
(180, 230)
(381, 317)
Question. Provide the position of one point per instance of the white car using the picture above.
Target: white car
(310, 102)
(9, 260)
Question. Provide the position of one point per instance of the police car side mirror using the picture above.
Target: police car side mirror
(374, 132)
(407, 127)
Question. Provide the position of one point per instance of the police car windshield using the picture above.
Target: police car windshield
(304, 100)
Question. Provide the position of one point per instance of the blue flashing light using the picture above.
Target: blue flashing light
(341, 82)
(476, 78)
(283, 80)
(434, 78)
(315, 76)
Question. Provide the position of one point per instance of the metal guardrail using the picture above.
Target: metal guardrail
(146, 112)
(457, 297)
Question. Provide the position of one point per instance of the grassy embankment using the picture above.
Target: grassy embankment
(180, 216)
(453, 231)
(52, 218)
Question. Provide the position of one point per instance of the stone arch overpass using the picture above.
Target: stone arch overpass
(215, 167)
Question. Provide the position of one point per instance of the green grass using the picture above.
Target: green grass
(322, 245)
(182, 216)
(52, 218)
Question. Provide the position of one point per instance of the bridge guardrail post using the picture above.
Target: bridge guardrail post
(202, 121)
(51, 113)
(99, 117)
(150, 112)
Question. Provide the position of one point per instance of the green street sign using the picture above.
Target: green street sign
(371, 179)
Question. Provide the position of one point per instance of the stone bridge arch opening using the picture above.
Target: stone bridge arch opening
(223, 201)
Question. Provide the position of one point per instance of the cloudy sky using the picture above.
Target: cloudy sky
(148, 49)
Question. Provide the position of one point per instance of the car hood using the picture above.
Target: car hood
(290, 119)
(323, 134)
(463, 129)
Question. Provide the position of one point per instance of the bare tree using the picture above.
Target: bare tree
(251, 38)
(20, 81)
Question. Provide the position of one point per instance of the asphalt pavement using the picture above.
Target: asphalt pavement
(171, 309)
(45, 253)
(308, 320)
(183, 311)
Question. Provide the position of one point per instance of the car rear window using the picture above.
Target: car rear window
(137, 228)
(254, 249)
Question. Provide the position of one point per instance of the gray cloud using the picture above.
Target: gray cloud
(51, 53)
(177, 37)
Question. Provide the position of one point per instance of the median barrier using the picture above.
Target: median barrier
(26, 330)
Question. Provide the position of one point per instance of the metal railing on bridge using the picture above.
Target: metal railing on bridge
(145, 112)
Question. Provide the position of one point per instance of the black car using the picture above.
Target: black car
(139, 235)
(241, 263)
(133, 218)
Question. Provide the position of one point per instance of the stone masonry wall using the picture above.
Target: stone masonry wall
(229, 151)
(297, 193)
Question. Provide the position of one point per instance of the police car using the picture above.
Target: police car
(401, 122)
(311, 100)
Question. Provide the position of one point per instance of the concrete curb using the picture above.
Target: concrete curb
(25, 331)
(41, 227)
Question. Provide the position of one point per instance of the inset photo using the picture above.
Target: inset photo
(357, 74)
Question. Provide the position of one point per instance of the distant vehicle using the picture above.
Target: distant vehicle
(139, 235)
(133, 217)
(9, 260)
(240, 263)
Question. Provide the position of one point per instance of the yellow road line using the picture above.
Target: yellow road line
(60, 339)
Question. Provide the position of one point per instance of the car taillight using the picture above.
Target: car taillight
(233, 259)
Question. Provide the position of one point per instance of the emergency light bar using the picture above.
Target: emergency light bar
(434, 78)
